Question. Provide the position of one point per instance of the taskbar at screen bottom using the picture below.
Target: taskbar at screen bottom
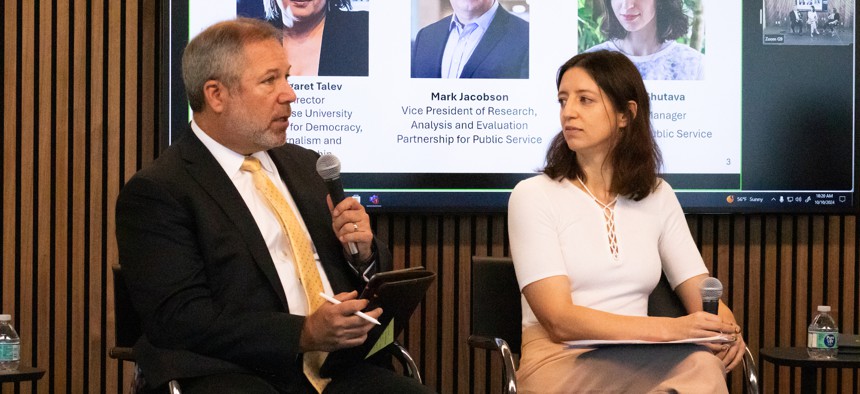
(487, 192)
(435, 201)
(718, 202)
(767, 202)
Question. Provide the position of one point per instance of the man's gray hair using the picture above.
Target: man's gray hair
(217, 53)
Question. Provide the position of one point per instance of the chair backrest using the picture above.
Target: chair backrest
(127, 330)
(127, 327)
(665, 302)
(496, 309)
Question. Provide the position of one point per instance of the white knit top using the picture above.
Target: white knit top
(557, 229)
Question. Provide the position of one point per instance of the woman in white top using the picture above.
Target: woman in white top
(812, 20)
(590, 238)
(645, 31)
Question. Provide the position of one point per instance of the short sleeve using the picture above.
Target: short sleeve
(678, 252)
(532, 228)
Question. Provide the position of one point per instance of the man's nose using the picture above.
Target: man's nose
(287, 94)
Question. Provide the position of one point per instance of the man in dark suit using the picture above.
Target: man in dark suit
(208, 265)
(480, 40)
(796, 20)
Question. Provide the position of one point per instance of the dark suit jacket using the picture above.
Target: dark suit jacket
(200, 275)
(502, 53)
(344, 48)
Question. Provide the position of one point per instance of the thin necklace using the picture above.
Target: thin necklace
(608, 216)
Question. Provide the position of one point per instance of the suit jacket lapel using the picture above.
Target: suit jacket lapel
(438, 47)
(211, 177)
(492, 36)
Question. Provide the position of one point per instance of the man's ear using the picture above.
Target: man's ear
(622, 117)
(215, 94)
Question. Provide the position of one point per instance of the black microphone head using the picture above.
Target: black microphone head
(711, 288)
(328, 166)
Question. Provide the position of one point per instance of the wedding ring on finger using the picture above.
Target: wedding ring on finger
(354, 227)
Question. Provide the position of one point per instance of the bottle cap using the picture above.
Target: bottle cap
(5, 317)
(823, 308)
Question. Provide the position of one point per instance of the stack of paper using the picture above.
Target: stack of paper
(590, 343)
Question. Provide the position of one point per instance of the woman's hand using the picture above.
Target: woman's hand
(731, 353)
(698, 325)
(703, 324)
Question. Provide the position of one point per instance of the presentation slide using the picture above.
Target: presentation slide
(439, 125)
(421, 117)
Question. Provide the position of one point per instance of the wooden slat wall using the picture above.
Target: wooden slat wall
(777, 269)
(79, 118)
(78, 80)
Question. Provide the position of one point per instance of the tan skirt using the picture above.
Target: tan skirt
(548, 367)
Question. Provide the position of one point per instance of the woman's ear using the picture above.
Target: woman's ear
(622, 116)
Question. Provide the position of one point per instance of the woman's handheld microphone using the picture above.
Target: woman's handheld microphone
(712, 290)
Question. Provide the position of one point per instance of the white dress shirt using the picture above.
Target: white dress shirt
(277, 242)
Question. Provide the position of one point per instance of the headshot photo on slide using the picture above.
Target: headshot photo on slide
(665, 39)
(470, 39)
(321, 37)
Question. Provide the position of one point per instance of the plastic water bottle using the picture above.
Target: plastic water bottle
(823, 335)
(10, 345)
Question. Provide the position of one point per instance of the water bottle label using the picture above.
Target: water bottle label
(822, 340)
(10, 352)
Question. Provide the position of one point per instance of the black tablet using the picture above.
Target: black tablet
(398, 293)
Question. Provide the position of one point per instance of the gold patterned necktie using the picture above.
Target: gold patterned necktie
(303, 256)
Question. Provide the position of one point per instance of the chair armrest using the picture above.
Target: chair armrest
(499, 345)
(127, 354)
(750, 372)
(173, 387)
(406, 361)
(121, 353)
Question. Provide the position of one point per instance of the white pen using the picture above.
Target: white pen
(357, 313)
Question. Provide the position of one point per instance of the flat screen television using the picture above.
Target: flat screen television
(766, 122)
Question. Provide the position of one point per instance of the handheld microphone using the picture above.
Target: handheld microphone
(328, 167)
(712, 290)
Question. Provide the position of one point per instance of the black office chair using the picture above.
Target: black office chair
(128, 329)
(497, 315)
